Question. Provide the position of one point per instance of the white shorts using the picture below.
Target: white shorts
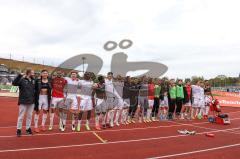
(101, 106)
(72, 103)
(143, 102)
(111, 103)
(126, 103)
(150, 103)
(56, 102)
(86, 104)
(208, 100)
(202, 103)
(118, 103)
(43, 102)
(164, 103)
(198, 103)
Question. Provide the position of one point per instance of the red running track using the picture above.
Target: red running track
(154, 140)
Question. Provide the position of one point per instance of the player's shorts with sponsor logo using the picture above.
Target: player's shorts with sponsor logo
(71, 102)
(198, 102)
(86, 103)
(112, 102)
(143, 102)
(126, 103)
(43, 102)
(118, 103)
(150, 103)
(101, 106)
(57, 102)
(164, 103)
(208, 100)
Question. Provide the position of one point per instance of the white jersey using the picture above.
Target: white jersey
(118, 86)
(197, 91)
(202, 96)
(72, 86)
(86, 88)
(198, 96)
(109, 88)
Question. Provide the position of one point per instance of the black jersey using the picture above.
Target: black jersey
(45, 85)
(100, 90)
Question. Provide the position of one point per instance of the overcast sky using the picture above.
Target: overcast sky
(191, 37)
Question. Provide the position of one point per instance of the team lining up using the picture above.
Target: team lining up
(115, 100)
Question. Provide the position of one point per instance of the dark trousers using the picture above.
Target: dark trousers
(155, 107)
(132, 110)
(172, 105)
(179, 103)
(133, 107)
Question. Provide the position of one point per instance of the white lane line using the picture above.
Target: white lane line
(117, 130)
(84, 132)
(99, 137)
(115, 142)
(198, 151)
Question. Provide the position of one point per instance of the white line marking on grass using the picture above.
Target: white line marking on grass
(115, 142)
(198, 151)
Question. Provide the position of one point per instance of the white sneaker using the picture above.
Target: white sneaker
(73, 128)
(111, 124)
(117, 124)
(191, 132)
(50, 128)
(144, 120)
(63, 128)
(78, 127)
(87, 127)
(184, 132)
(60, 126)
(182, 118)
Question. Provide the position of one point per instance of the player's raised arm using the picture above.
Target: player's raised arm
(18, 79)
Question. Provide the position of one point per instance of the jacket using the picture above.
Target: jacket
(26, 90)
